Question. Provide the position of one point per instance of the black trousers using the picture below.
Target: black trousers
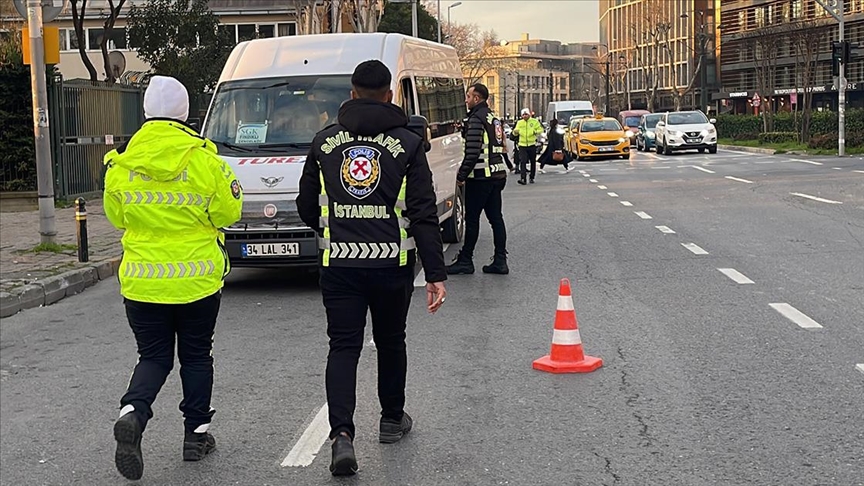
(484, 196)
(348, 294)
(155, 327)
(527, 155)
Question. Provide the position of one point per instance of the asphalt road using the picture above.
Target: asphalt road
(732, 338)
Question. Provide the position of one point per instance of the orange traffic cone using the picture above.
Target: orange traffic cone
(566, 355)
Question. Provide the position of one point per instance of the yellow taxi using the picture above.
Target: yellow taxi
(597, 136)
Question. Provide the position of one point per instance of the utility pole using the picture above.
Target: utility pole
(837, 10)
(518, 103)
(551, 86)
(608, 98)
(414, 18)
(41, 132)
(439, 21)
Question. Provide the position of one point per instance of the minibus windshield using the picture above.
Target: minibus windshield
(274, 112)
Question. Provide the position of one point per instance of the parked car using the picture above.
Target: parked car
(645, 131)
(685, 130)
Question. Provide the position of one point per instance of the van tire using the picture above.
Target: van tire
(453, 230)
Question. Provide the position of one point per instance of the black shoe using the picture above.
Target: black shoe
(532, 181)
(498, 266)
(128, 458)
(391, 431)
(196, 446)
(344, 462)
(521, 181)
(462, 266)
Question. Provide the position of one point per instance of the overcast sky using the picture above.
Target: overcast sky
(564, 20)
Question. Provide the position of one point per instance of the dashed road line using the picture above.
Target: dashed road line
(608, 170)
(643, 215)
(814, 198)
(860, 367)
(602, 187)
(837, 168)
(703, 169)
(593, 181)
(735, 275)
(586, 175)
(694, 248)
(739, 180)
(612, 194)
(310, 443)
(859, 171)
(626, 203)
(666, 229)
(811, 162)
(795, 316)
(661, 167)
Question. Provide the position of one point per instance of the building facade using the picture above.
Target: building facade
(660, 49)
(764, 47)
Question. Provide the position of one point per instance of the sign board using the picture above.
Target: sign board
(51, 44)
(756, 100)
(793, 98)
(51, 9)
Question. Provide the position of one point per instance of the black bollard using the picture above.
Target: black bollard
(81, 220)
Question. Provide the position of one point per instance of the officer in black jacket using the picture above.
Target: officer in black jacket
(484, 175)
(375, 211)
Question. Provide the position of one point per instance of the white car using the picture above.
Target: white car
(685, 130)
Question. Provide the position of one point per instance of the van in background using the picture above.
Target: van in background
(564, 110)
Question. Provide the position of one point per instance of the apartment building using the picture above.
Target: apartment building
(759, 54)
(659, 42)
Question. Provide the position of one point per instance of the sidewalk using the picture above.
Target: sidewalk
(30, 279)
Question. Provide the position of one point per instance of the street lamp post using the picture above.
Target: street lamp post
(452, 5)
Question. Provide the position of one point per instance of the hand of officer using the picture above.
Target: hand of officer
(460, 183)
(435, 293)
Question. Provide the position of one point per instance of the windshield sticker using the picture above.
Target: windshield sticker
(251, 133)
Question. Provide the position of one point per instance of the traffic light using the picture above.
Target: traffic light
(840, 53)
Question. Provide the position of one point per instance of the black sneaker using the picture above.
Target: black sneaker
(498, 266)
(521, 181)
(344, 462)
(391, 431)
(128, 458)
(196, 446)
(461, 267)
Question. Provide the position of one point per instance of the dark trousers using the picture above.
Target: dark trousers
(155, 326)
(484, 196)
(349, 293)
(528, 155)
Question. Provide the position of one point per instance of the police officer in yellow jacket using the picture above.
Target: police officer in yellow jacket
(528, 129)
(169, 192)
(367, 187)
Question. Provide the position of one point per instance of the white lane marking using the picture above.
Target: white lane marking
(703, 169)
(612, 194)
(608, 170)
(696, 249)
(310, 443)
(811, 162)
(420, 280)
(795, 316)
(735, 275)
(626, 203)
(837, 168)
(739, 180)
(581, 171)
(665, 229)
(586, 175)
(602, 187)
(814, 198)
(860, 367)
(642, 214)
(661, 167)
(593, 181)
(735, 152)
(859, 171)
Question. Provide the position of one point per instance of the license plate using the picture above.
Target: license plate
(693, 140)
(270, 249)
(606, 149)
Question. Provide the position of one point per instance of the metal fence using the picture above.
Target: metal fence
(88, 121)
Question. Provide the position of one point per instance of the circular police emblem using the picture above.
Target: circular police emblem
(499, 130)
(360, 171)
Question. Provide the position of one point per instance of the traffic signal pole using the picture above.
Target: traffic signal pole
(836, 9)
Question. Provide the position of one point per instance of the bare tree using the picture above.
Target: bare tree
(656, 24)
(808, 40)
(365, 14)
(79, 11)
(309, 16)
(108, 28)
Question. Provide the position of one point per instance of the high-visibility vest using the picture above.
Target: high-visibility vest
(491, 156)
(170, 192)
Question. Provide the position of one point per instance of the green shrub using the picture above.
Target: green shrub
(732, 126)
(778, 137)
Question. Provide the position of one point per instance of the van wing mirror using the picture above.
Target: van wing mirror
(419, 125)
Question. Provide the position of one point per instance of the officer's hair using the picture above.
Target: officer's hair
(371, 79)
(481, 90)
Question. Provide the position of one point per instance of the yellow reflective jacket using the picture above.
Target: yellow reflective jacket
(170, 192)
(528, 132)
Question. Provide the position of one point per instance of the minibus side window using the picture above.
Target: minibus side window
(406, 96)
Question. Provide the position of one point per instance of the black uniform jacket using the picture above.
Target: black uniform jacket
(364, 159)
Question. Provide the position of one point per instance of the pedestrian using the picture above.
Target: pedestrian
(169, 192)
(483, 174)
(527, 129)
(367, 188)
(555, 153)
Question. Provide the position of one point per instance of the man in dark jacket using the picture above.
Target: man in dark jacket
(483, 174)
(367, 188)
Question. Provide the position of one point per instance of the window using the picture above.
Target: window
(229, 30)
(442, 102)
(116, 40)
(287, 29)
(266, 31)
(490, 81)
(245, 32)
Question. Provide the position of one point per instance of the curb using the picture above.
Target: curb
(752, 150)
(53, 289)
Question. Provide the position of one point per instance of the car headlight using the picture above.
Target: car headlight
(630, 133)
(584, 141)
(673, 133)
(711, 131)
(649, 134)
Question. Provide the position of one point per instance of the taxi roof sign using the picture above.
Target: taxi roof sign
(598, 116)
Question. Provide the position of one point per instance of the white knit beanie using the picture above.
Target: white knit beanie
(166, 98)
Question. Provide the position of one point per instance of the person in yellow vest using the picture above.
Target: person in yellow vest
(528, 129)
(169, 192)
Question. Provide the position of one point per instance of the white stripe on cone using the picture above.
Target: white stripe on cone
(566, 337)
(565, 303)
